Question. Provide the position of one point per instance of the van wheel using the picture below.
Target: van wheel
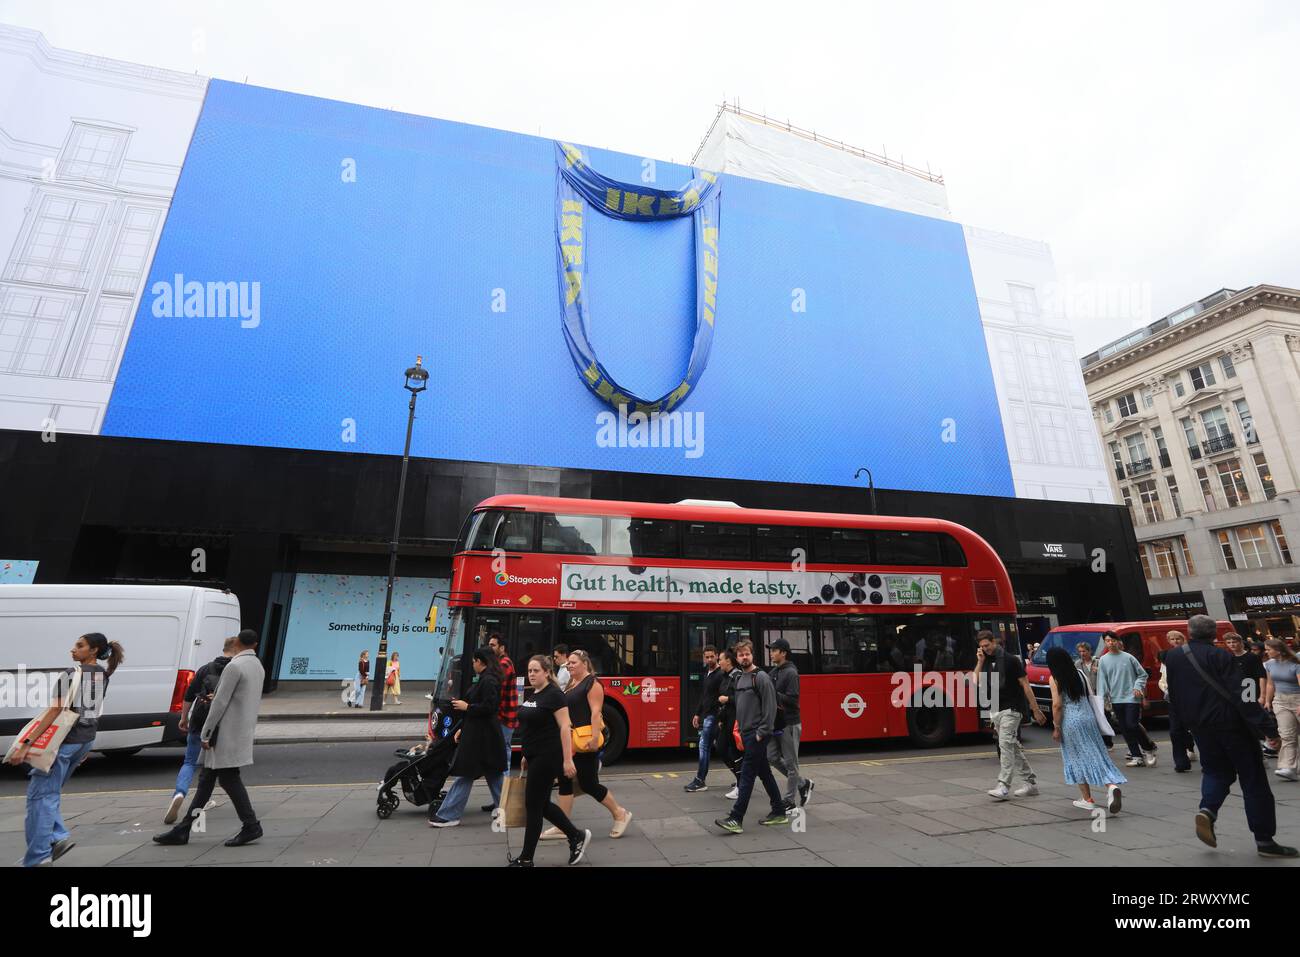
(617, 726)
(930, 727)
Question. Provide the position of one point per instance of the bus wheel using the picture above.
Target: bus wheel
(930, 727)
(617, 731)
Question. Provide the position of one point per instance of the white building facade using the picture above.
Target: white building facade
(1050, 439)
(90, 151)
(1200, 417)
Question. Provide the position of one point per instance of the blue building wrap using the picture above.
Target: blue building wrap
(353, 239)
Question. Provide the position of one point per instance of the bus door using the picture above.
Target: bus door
(720, 631)
(525, 634)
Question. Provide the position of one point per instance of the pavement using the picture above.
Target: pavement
(906, 811)
(316, 713)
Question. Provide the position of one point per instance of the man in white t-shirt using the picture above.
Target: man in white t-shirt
(560, 655)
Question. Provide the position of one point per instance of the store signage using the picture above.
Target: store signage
(748, 586)
(1053, 551)
(604, 623)
(1279, 599)
(1178, 606)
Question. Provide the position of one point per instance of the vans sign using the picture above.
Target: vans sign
(1053, 551)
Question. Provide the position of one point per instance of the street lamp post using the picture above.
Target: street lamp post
(871, 483)
(417, 379)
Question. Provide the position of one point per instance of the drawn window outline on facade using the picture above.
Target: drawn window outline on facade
(34, 326)
(57, 243)
(93, 152)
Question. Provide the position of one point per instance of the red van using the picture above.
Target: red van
(1144, 640)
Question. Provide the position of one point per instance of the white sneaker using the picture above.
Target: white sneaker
(174, 808)
(1113, 796)
(1001, 792)
(1133, 762)
(734, 794)
(1083, 805)
(1028, 791)
(1191, 757)
(1286, 774)
(1150, 759)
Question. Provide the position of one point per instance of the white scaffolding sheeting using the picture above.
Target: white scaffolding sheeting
(775, 153)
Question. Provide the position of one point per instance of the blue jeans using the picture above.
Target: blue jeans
(193, 748)
(494, 780)
(359, 692)
(753, 766)
(706, 745)
(453, 805)
(45, 826)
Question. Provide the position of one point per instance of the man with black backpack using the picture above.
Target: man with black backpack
(1206, 691)
(194, 711)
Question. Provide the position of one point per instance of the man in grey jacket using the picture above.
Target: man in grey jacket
(783, 746)
(234, 714)
(755, 715)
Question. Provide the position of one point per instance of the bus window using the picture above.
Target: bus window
(532, 637)
(842, 546)
(716, 541)
(573, 534)
(659, 647)
(512, 531)
(907, 548)
(796, 629)
(936, 642)
(847, 644)
(649, 646)
(777, 543)
(643, 537)
(469, 531)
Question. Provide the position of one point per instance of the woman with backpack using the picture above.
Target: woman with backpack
(1083, 750)
(81, 690)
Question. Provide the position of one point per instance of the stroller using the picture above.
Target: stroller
(423, 769)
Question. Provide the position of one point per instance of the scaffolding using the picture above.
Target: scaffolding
(812, 135)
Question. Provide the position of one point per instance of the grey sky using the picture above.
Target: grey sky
(1148, 143)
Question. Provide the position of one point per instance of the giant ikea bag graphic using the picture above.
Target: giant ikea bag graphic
(579, 189)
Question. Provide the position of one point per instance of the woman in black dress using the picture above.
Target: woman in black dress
(585, 698)
(546, 738)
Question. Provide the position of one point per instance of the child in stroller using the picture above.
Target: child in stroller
(423, 768)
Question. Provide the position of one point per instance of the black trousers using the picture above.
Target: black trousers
(232, 784)
(588, 776)
(542, 773)
(1180, 741)
(1228, 756)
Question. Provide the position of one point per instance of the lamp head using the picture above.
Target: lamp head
(417, 379)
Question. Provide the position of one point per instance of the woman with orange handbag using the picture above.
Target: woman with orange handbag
(47, 836)
(584, 698)
(393, 680)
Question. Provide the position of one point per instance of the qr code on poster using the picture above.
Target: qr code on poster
(298, 666)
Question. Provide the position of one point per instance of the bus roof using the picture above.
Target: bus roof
(717, 513)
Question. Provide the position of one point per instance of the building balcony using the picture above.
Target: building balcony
(1140, 467)
(1219, 443)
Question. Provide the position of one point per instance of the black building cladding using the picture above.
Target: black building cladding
(101, 509)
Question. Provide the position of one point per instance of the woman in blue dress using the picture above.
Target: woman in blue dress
(1083, 752)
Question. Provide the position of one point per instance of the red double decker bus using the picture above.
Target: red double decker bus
(869, 604)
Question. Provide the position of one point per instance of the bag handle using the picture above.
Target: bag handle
(74, 689)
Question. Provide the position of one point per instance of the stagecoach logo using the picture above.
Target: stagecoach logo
(646, 689)
(503, 579)
(853, 705)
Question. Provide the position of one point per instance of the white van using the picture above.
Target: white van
(166, 632)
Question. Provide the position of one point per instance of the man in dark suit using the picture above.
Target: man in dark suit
(1206, 690)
